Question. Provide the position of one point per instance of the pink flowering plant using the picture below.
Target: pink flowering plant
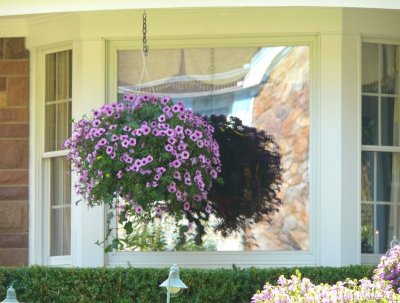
(389, 268)
(302, 290)
(145, 156)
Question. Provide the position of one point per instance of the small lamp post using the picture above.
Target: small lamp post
(173, 284)
(11, 296)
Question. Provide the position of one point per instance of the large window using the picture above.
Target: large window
(380, 166)
(268, 89)
(56, 168)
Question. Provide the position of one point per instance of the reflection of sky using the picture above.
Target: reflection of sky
(233, 99)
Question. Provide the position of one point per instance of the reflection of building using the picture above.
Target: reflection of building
(209, 84)
(353, 109)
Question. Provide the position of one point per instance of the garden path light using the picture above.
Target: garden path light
(173, 284)
(11, 296)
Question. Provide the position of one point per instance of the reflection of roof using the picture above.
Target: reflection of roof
(248, 75)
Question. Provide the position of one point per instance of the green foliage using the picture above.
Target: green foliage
(141, 285)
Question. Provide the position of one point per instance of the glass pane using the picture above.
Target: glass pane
(384, 228)
(50, 130)
(63, 73)
(370, 59)
(390, 121)
(58, 81)
(388, 177)
(370, 120)
(367, 228)
(60, 233)
(56, 223)
(60, 182)
(66, 231)
(50, 91)
(390, 66)
(367, 176)
(266, 88)
(63, 125)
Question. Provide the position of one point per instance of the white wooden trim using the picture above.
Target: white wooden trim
(39, 206)
(53, 154)
(64, 261)
(213, 259)
(23, 7)
(222, 258)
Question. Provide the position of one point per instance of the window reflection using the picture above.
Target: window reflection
(266, 88)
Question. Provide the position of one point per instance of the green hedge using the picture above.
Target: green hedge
(44, 284)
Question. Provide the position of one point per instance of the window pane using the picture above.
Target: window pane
(66, 236)
(60, 233)
(384, 227)
(60, 201)
(50, 130)
(370, 59)
(56, 222)
(58, 90)
(60, 181)
(369, 120)
(390, 69)
(367, 228)
(367, 176)
(390, 121)
(267, 88)
(388, 177)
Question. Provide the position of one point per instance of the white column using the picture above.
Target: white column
(351, 146)
(330, 244)
(88, 93)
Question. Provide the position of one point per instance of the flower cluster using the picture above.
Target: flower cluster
(153, 155)
(302, 290)
(389, 268)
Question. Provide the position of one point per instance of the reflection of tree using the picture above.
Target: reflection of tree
(251, 173)
(367, 211)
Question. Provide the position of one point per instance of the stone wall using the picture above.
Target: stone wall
(14, 144)
(282, 110)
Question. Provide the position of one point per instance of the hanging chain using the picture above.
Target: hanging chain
(145, 45)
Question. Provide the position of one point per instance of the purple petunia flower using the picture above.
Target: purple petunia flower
(186, 206)
(168, 147)
(138, 209)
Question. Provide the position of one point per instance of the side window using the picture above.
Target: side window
(56, 168)
(380, 152)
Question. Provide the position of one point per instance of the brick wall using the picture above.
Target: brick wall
(14, 144)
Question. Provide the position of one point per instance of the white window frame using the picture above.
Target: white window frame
(375, 258)
(40, 202)
(239, 258)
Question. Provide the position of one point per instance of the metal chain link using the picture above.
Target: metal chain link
(145, 45)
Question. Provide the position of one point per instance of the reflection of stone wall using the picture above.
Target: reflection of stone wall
(282, 110)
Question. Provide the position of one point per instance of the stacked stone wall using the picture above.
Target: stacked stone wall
(14, 151)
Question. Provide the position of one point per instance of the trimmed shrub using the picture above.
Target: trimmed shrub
(141, 285)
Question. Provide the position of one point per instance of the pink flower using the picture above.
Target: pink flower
(186, 206)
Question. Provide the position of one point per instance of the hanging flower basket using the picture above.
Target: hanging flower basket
(145, 156)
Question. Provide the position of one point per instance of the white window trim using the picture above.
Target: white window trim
(239, 258)
(372, 258)
(39, 206)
